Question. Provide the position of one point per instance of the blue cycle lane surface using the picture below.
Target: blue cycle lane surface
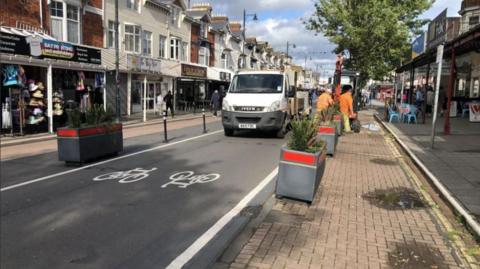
(73, 221)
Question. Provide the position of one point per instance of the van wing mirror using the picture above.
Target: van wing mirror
(291, 91)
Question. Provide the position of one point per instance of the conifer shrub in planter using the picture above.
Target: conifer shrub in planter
(327, 130)
(97, 137)
(302, 162)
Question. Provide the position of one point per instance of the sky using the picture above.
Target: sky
(280, 21)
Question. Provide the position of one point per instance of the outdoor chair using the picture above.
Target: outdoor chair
(465, 109)
(411, 114)
(393, 114)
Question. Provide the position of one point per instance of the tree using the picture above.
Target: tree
(374, 34)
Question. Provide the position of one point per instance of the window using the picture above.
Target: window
(473, 20)
(111, 34)
(175, 14)
(133, 4)
(161, 46)
(184, 53)
(225, 62)
(147, 43)
(174, 48)
(204, 56)
(65, 22)
(257, 84)
(203, 30)
(132, 38)
(56, 13)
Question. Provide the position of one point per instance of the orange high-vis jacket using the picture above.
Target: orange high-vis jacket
(324, 101)
(346, 103)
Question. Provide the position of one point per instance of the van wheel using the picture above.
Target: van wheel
(228, 132)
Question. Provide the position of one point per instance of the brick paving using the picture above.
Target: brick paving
(341, 229)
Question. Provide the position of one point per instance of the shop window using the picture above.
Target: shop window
(65, 22)
(162, 40)
(133, 5)
(204, 56)
(175, 48)
(147, 43)
(132, 38)
(184, 53)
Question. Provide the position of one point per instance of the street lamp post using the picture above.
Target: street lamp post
(117, 63)
(245, 15)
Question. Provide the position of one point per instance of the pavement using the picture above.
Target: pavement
(142, 209)
(455, 158)
(344, 227)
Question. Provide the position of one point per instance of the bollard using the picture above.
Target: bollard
(204, 125)
(165, 127)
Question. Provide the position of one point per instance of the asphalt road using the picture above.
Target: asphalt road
(73, 221)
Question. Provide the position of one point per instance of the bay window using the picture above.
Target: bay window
(184, 54)
(162, 42)
(65, 21)
(132, 38)
(204, 56)
(175, 48)
(147, 43)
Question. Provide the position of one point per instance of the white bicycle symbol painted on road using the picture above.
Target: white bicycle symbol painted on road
(187, 178)
(126, 176)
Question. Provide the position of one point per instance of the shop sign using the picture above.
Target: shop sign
(437, 30)
(39, 47)
(225, 76)
(418, 46)
(194, 71)
(139, 63)
(474, 112)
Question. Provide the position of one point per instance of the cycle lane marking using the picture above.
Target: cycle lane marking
(18, 185)
(180, 179)
(206, 237)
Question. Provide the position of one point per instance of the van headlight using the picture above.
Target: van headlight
(226, 106)
(275, 106)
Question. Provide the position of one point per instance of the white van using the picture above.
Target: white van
(257, 100)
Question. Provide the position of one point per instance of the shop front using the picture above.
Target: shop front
(218, 79)
(192, 89)
(42, 78)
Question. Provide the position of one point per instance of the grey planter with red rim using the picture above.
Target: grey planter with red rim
(79, 145)
(300, 173)
(328, 134)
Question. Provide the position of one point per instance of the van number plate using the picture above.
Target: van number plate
(247, 126)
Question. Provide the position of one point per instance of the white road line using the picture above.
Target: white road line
(104, 162)
(191, 251)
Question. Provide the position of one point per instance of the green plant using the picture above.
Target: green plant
(74, 118)
(303, 136)
(325, 116)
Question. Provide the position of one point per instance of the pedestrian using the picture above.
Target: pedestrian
(215, 102)
(160, 103)
(346, 106)
(324, 100)
(430, 95)
(168, 99)
(313, 102)
(419, 98)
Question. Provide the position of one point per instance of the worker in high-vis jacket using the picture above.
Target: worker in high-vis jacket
(346, 106)
(324, 100)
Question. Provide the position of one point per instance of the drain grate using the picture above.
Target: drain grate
(415, 255)
(395, 199)
(383, 161)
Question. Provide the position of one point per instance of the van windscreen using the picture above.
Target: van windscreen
(257, 83)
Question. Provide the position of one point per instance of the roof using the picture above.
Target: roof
(219, 25)
(199, 15)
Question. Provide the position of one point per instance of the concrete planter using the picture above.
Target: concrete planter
(78, 145)
(338, 120)
(329, 135)
(300, 173)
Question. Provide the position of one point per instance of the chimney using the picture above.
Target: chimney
(235, 26)
(219, 18)
(202, 7)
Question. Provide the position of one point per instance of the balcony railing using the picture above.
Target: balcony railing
(28, 27)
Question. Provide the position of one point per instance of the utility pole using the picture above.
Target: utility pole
(117, 66)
